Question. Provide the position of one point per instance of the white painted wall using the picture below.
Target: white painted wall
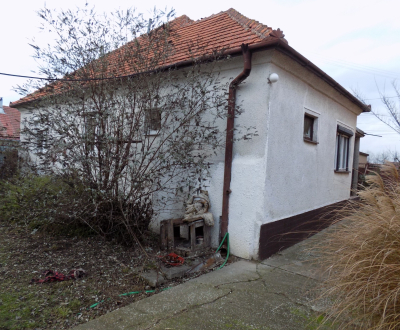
(277, 174)
(299, 175)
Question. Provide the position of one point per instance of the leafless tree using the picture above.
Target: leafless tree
(390, 117)
(392, 108)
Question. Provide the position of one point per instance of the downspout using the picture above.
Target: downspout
(229, 138)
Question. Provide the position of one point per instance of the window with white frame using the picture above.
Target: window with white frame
(342, 149)
(310, 127)
(41, 136)
(153, 121)
(90, 129)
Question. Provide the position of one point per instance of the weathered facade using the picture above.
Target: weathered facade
(300, 162)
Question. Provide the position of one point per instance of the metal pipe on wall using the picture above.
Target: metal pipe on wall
(229, 137)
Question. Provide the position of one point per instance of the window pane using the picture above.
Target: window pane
(308, 127)
(336, 151)
(341, 152)
(153, 119)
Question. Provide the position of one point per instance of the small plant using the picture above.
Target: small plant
(74, 305)
(362, 257)
(62, 311)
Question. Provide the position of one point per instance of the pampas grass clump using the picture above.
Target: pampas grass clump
(362, 257)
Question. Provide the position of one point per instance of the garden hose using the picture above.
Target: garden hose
(127, 294)
(227, 244)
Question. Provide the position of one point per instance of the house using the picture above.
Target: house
(9, 137)
(363, 159)
(267, 192)
(9, 122)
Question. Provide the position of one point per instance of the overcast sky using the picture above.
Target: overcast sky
(357, 42)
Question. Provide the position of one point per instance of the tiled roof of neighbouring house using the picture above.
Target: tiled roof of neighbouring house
(9, 123)
(223, 31)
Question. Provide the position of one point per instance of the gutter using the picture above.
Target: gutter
(229, 137)
(270, 42)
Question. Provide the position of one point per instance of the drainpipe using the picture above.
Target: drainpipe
(229, 138)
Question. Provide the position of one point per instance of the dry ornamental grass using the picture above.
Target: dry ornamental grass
(362, 257)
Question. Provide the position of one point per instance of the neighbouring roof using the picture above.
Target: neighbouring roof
(363, 153)
(9, 123)
(226, 31)
(359, 132)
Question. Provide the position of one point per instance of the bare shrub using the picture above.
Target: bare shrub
(126, 130)
(362, 257)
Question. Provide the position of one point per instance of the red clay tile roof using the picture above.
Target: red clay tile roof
(223, 31)
(9, 123)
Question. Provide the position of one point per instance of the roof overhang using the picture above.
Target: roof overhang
(360, 133)
(279, 44)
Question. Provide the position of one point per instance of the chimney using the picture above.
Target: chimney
(1, 106)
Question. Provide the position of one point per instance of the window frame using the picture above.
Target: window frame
(90, 129)
(342, 149)
(308, 117)
(314, 116)
(150, 129)
(41, 136)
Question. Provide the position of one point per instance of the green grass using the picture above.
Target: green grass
(313, 321)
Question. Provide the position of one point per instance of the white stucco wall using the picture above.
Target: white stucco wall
(248, 167)
(300, 175)
(277, 174)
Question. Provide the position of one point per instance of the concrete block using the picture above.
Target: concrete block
(151, 278)
(174, 272)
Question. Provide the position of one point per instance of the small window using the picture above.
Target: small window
(308, 128)
(342, 149)
(41, 140)
(41, 136)
(90, 130)
(153, 121)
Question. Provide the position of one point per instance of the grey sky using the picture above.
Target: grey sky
(357, 42)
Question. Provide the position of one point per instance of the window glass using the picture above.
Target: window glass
(342, 152)
(308, 127)
(153, 119)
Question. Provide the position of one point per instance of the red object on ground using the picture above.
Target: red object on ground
(172, 259)
(51, 276)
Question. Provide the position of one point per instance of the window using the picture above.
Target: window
(342, 149)
(41, 135)
(153, 121)
(90, 130)
(41, 140)
(308, 127)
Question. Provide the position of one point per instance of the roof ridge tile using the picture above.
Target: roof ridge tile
(258, 28)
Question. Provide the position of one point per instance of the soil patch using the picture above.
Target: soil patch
(111, 271)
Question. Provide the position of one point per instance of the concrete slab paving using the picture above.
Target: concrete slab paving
(277, 293)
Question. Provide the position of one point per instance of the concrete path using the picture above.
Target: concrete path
(277, 293)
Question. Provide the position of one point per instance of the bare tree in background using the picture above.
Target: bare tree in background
(128, 133)
(392, 108)
(383, 157)
(391, 117)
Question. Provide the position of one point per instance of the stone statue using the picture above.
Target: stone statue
(197, 208)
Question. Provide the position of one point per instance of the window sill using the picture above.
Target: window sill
(342, 171)
(309, 141)
(152, 132)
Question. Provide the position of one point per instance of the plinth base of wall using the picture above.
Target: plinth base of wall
(281, 234)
